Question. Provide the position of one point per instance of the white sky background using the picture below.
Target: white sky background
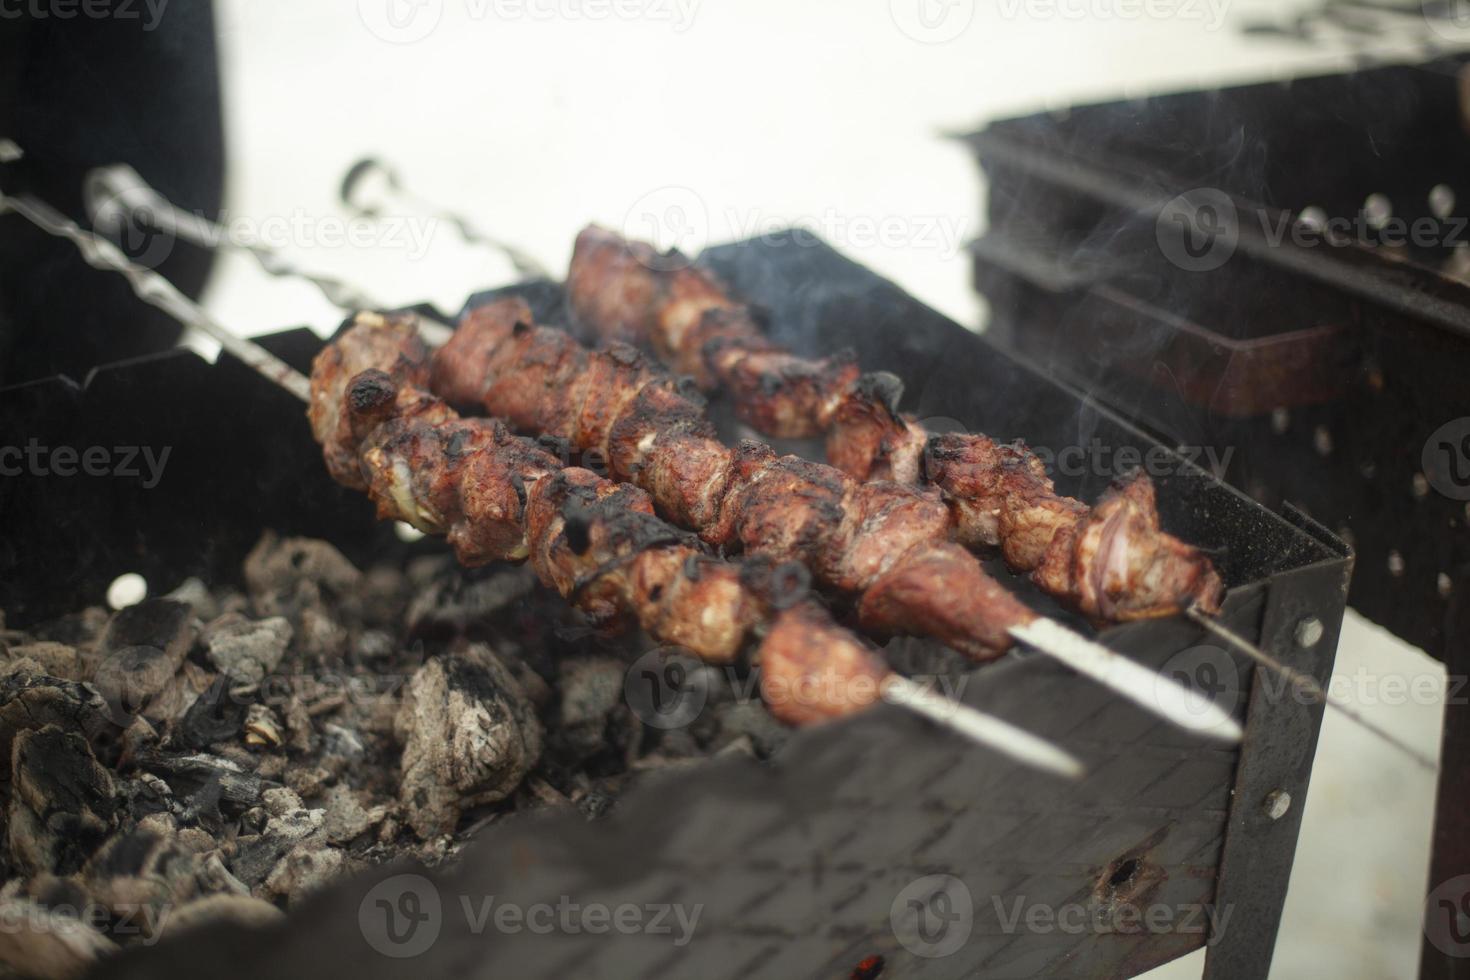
(724, 118)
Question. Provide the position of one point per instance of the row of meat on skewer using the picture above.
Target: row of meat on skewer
(893, 553)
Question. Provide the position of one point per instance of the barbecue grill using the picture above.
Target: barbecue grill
(1333, 369)
(807, 865)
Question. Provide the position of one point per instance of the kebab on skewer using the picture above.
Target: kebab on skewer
(887, 543)
(1113, 561)
(499, 496)
(886, 546)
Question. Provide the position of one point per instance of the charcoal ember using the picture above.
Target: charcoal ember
(594, 716)
(308, 781)
(461, 602)
(37, 942)
(240, 911)
(916, 656)
(55, 659)
(321, 638)
(203, 780)
(217, 715)
(130, 677)
(288, 575)
(140, 875)
(374, 646)
(165, 624)
(306, 868)
(346, 816)
(246, 649)
(196, 595)
(215, 879)
(171, 704)
(750, 719)
(470, 736)
(30, 699)
(62, 801)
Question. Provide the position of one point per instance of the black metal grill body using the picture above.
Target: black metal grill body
(797, 862)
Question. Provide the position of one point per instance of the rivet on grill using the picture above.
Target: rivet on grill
(1276, 804)
(1395, 564)
(1322, 439)
(1421, 486)
(1445, 585)
(1309, 632)
(127, 589)
(1442, 201)
(1377, 209)
(1280, 420)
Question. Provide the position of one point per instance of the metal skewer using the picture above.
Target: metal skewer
(1188, 709)
(1309, 686)
(154, 289)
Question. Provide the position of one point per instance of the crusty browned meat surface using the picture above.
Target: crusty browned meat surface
(625, 411)
(597, 542)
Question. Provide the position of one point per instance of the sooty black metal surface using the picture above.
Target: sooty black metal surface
(879, 835)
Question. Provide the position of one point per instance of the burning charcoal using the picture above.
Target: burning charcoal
(385, 592)
(242, 911)
(38, 943)
(54, 659)
(346, 817)
(204, 780)
(753, 720)
(459, 602)
(196, 595)
(246, 650)
(164, 624)
(375, 645)
(594, 716)
(321, 638)
(215, 716)
(81, 630)
(62, 802)
(288, 575)
(130, 678)
(168, 708)
(307, 868)
(470, 736)
(141, 874)
(30, 700)
(215, 878)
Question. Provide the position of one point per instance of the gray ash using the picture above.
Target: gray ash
(217, 753)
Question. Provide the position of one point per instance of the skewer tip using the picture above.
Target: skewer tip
(981, 728)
